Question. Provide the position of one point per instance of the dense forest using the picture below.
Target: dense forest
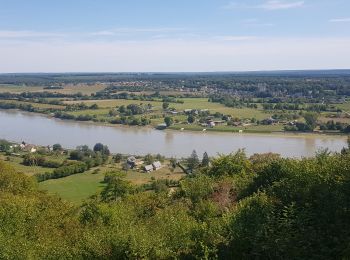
(233, 207)
(259, 84)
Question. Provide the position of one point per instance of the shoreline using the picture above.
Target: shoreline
(175, 129)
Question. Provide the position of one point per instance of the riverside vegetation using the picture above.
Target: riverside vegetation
(228, 207)
(251, 102)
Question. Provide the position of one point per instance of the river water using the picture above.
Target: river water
(37, 129)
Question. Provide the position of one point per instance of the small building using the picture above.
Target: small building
(148, 168)
(161, 126)
(220, 122)
(211, 124)
(269, 121)
(131, 161)
(28, 147)
(157, 165)
(32, 149)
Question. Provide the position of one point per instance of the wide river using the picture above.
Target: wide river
(36, 129)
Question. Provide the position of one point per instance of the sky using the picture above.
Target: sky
(173, 35)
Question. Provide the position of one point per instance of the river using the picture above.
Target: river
(37, 129)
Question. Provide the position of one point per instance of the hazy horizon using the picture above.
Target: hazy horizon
(182, 36)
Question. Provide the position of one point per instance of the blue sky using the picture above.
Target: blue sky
(155, 35)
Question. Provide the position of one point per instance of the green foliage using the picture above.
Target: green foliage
(311, 120)
(57, 147)
(63, 171)
(168, 121)
(193, 161)
(148, 159)
(103, 149)
(116, 187)
(205, 160)
(4, 146)
(265, 207)
(197, 188)
(229, 165)
(302, 211)
(118, 157)
(165, 105)
(191, 119)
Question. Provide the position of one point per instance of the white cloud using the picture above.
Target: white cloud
(340, 20)
(27, 34)
(254, 22)
(103, 33)
(234, 38)
(131, 30)
(270, 5)
(278, 5)
(176, 55)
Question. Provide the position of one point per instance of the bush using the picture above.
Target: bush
(63, 171)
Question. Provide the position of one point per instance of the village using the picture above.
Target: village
(135, 163)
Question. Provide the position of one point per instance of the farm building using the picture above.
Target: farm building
(157, 165)
(148, 168)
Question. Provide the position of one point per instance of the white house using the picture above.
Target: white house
(148, 168)
(157, 165)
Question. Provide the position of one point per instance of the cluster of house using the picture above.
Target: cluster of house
(272, 121)
(188, 111)
(28, 147)
(211, 122)
(137, 163)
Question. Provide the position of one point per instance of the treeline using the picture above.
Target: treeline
(321, 84)
(235, 207)
(307, 107)
(83, 158)
(63, 171)
(109, 93)
(232, 101)
(335, 126)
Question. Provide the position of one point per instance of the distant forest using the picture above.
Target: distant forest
(262, 84)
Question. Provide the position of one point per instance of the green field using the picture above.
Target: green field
(76, 188)
(16, 161)
(345, 106)
(245, 129)
(36, 105)
(28, 170)
(67, 89)
(189, 103)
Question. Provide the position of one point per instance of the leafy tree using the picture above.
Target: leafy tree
(148, 159)
(98, 147)
(57, 147)
(4, 146)
(230, 165)
(311, 120)
(193, 161)
(118, 158)
(198, 188)
(165, 105)
(205, 160)
(168, 121)
(116, 188)
(173, 163)
(191, 119)
(101, 148)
